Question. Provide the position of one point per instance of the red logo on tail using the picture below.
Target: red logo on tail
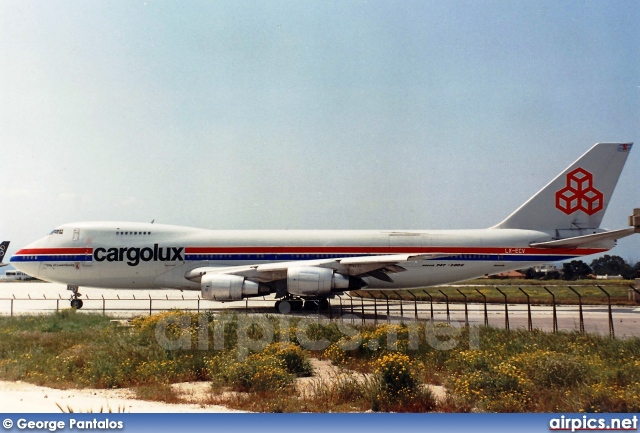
(579, 194)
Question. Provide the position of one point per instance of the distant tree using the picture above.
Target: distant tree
(612, 265)
(575, 270)
(531, 274)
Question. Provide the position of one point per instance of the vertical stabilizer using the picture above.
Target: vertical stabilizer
(578, 197)
(3, 249)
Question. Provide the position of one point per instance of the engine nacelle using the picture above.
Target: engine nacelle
(223, 287)
(312, 281)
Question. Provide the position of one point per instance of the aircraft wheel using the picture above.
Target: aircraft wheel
(324, 304)
(76, 303)
(296, 305)
(284, 307)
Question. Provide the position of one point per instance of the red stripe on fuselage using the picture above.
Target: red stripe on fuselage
(345, 250)
(54, 251)
(394, 250)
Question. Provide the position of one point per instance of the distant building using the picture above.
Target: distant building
(609, 277)
(16, 276)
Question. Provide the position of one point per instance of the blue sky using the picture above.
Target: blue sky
(313, 114)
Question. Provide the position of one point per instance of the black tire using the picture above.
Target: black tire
(76, 303)
(284, 307)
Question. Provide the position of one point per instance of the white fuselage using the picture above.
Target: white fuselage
(140, 255)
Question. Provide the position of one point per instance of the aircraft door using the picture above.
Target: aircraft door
(77, 238)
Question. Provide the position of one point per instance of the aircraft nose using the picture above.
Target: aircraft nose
(25, 262)
(26, 259)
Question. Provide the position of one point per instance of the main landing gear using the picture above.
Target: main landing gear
(288, 304)
(315, 304)
(76, 302)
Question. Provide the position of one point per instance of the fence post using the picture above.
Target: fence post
(486, 315)
(555, 314)
(506, 309)
(529, 321)
(362, 304)
(375, 310)
(351, 300)
(401, 306)
(611, 331)
(57, 305)
(12, 306)
(150, 305)
(387, 298)
(579, 308)
(447, 298)
(415, 303)
(103, 306)
(466, 311)
(430, 301)
(351, 303)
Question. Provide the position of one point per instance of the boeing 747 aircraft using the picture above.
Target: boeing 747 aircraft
(561, 221)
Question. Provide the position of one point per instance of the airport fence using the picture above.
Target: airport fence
(363, 306)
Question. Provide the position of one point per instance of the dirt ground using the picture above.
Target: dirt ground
(24, 397)
(27, 398)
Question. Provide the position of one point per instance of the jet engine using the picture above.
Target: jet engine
(311, 281)
(223, 287)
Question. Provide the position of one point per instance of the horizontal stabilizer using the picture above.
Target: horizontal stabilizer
(580, 241)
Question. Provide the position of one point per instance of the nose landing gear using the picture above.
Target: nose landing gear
(76, 302)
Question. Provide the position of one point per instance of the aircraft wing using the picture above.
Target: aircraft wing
(362, 266)
(580, 241)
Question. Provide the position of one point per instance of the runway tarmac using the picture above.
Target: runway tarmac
(37, 297)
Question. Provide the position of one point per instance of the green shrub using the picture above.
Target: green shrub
(258, 372)
(294, 358)
(395, 370)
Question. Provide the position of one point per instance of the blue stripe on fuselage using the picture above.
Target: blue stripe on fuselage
(52, 258)
(294, 257)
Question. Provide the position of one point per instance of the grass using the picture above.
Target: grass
(384, 368)
(591, 295)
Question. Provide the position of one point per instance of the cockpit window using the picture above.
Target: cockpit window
(57, 232)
